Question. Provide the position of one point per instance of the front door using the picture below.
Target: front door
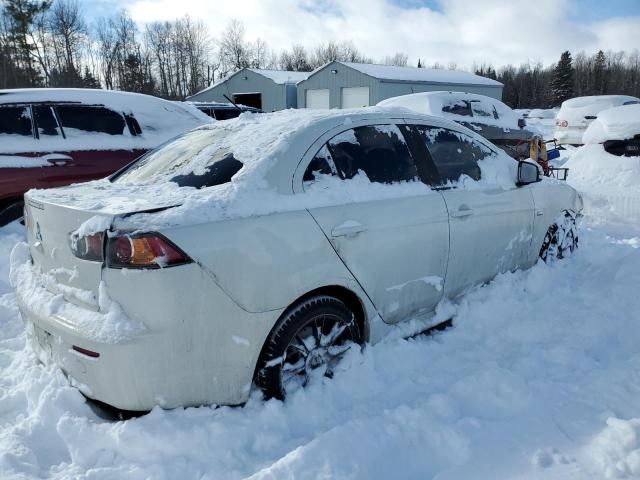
(490, 219)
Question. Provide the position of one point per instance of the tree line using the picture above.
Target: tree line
(50, 43)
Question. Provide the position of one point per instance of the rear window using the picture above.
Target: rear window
(226, 113)
(192, 160)
(82, 119)
(457, 107)
(15, 121)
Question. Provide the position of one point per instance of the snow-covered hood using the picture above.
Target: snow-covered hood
(618, 123)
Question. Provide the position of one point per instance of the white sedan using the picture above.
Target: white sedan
(259, 250)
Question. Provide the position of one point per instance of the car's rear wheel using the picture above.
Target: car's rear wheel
(12, 211)
(561, 239)
(307, 342)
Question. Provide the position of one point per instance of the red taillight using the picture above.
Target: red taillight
(89, 247)
(84, 351)
(149, 250)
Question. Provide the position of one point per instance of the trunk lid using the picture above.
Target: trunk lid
(49, 229)
(52, 217)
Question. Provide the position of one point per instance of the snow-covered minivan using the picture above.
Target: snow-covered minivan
(52, 137)
(261, 249)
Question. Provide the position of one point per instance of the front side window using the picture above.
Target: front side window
(454, 154)
(379, 151)
(81, 119)
(15, 121)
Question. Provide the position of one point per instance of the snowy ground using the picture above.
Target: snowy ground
(538, 378)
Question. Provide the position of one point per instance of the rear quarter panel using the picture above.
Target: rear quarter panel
(265, 263)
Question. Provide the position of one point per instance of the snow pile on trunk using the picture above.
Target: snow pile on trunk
(619, 123)
(609, 184)
(108, 324)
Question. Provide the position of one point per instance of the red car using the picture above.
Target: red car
(54, 137)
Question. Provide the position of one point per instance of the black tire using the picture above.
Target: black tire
(294, 348)
(13, 211)
(561, 240)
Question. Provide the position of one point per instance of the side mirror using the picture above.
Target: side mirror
(528, 172)
(522, 123)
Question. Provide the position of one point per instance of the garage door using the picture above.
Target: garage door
(355, 97)
(318, 98)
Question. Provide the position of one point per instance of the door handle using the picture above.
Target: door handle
(349, 228)
(463, 211)
(58, 159)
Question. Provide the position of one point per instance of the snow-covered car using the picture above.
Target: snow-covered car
(487, 116)
(618, 129)
(262, 248)
(52, 137)
(223, 111)
(576, 114)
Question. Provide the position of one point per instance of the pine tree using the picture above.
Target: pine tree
(599, 74)
(420, 64)
(562, 80)
(21, 15)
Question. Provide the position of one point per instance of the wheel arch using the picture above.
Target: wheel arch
(344, 294)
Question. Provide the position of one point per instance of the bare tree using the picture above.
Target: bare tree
(400, 59)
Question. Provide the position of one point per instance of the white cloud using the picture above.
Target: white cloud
(493, 31)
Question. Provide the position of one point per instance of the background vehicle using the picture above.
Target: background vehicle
(487, 116)
(53, 137)
(223, 111)
(576, 114)
(618, 129)
(297, 234)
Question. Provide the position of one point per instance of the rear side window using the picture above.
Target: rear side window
(379, 151)
(454, 154)
(82, 119)
(322, 164)
(459, 107)
(15, 121)
(45, 121)
(226, 113)
(480, 110)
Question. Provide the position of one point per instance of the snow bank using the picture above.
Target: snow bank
(619, 123)
(609, 184)
(616, 450)
(519, 388)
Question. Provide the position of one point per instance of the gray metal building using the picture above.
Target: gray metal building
(350, 85)
(266, 89)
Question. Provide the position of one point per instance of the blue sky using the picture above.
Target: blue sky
(445, 31)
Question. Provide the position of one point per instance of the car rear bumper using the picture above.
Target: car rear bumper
(569, 136)
(198, 347)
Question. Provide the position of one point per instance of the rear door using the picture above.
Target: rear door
(491, 226)
(393, 238)
(93, 142)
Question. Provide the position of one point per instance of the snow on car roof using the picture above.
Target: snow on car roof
(269, 146)
(436, 103)
(427, 75)
(159, 119)
(579, 102)
(618, 123)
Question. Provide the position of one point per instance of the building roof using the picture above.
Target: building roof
(426, 75)
(280, 77)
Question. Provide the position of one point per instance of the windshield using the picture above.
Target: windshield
(191, 160)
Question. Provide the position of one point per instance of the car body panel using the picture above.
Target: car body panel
(205, 322)
(491, 233)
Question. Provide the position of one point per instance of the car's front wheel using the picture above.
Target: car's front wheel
(308, 341)
(561, 239)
